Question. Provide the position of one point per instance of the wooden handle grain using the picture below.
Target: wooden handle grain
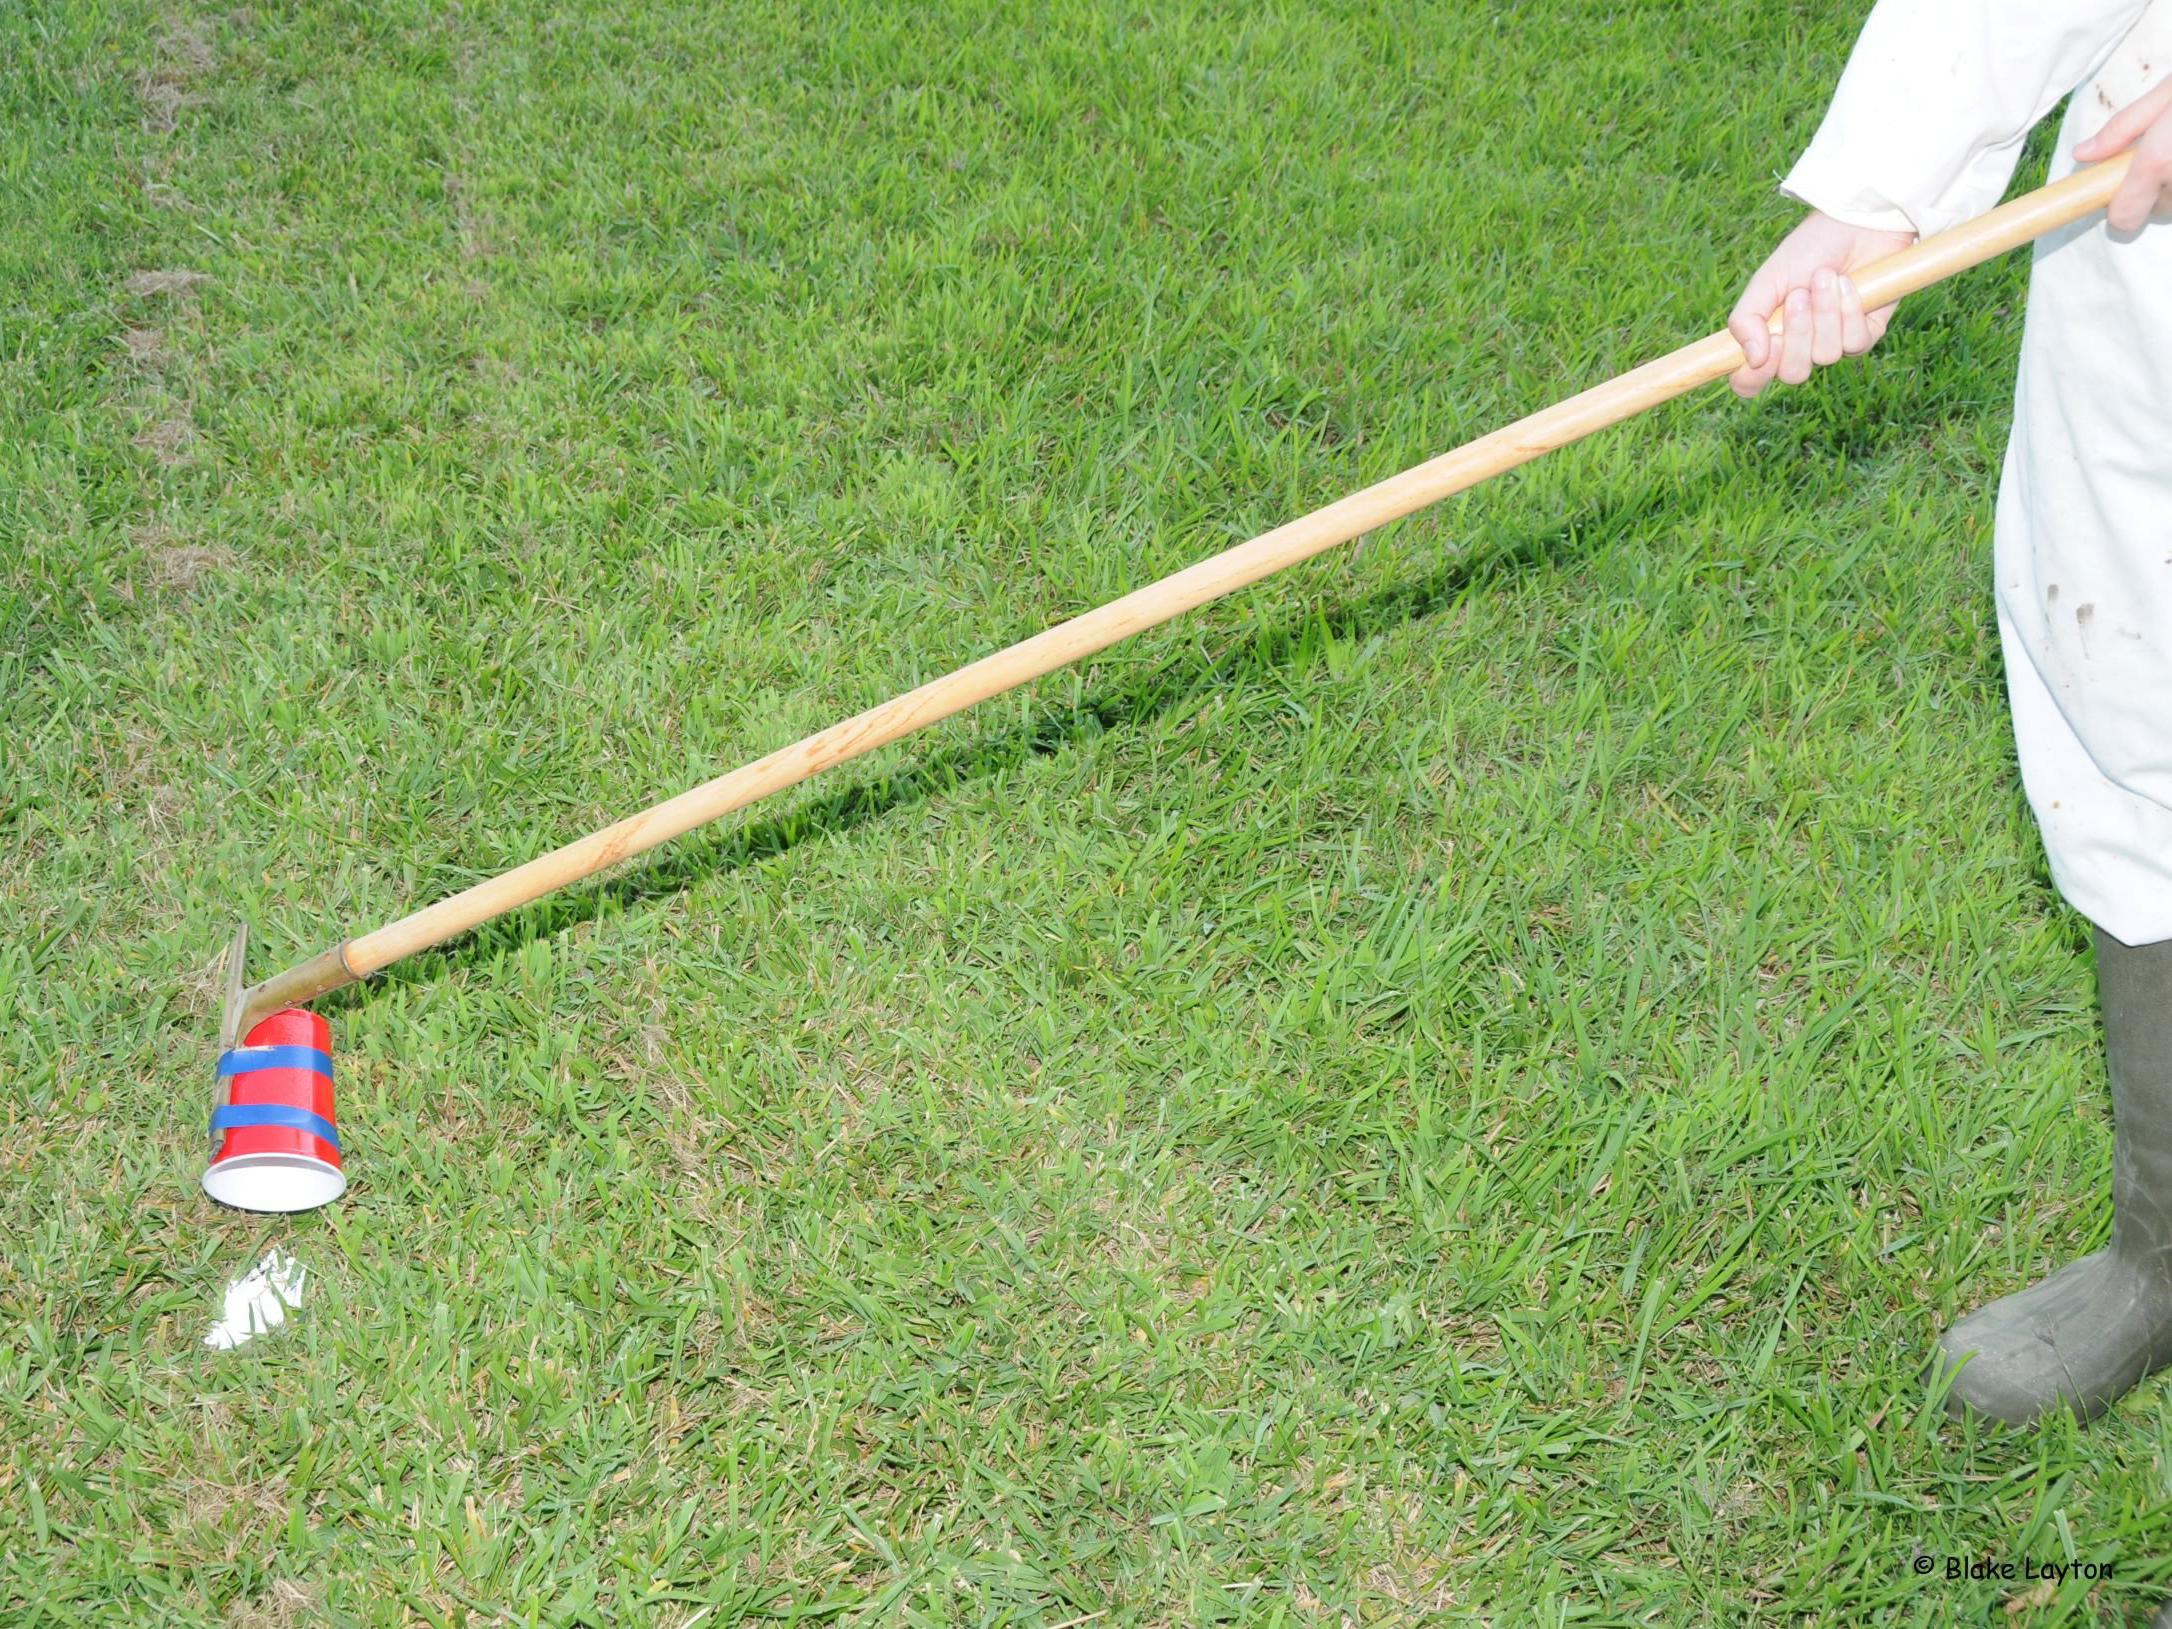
(1714, 357)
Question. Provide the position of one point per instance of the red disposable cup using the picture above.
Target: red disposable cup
(277, 1138)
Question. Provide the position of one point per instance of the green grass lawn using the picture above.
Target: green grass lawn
(1455, 1085)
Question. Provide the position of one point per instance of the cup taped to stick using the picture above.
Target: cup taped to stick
(276, 1140)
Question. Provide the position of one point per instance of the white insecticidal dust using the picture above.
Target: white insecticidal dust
(259, 1301)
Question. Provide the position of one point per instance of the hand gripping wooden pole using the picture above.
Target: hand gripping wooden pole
(1914, 268)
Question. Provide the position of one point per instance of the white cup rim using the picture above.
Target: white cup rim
(281, 1183)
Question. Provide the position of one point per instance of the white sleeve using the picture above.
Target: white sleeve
(1928, 121)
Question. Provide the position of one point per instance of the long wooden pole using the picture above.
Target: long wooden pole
(1914, 268)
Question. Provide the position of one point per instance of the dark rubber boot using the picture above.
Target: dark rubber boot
(2085, 1335)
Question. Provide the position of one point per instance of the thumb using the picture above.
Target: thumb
(2124, 126)
(1751, 319)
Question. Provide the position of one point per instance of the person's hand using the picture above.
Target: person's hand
(1807, 276)
(2146, 126)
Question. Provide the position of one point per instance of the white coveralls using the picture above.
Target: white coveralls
(1924, 131)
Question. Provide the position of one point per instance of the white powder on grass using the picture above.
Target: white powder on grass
(259, 1301)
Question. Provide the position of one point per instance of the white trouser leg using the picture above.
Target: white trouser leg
(2110, 851)
(2084, 544)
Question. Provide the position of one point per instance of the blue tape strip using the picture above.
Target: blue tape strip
(242, 1059)
(233, 1115)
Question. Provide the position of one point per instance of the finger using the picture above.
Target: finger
(1855, 335)
(1795, 339)
(1824, 317)
(2124, 126)
(1879, 321)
